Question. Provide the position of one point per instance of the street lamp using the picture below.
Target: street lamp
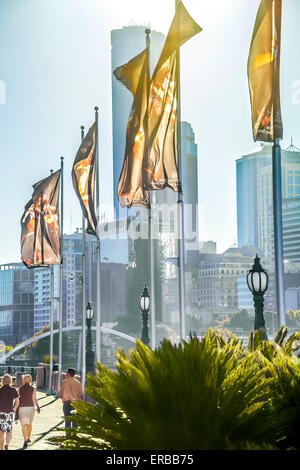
(90, 356)
(258, 281)
(144, 306)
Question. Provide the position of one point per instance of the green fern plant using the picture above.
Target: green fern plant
(282, 366)
(207, 394)
(281, 343)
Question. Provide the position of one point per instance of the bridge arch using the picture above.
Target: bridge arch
(111, 331)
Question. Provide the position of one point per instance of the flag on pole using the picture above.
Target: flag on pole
(151, 161)
(83, 177)
(161, 159)
(40, 228)
(134, 76)
(264, 72)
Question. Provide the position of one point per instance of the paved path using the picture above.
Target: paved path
(44, 425)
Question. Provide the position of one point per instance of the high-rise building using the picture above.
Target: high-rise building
(42, 297)
(254, 192)
(189, 164)
(16, 303)
(72, 276)
(290, 229)
(247, 186)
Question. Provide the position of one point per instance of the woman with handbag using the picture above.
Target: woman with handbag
(28, 401)
(9, 401)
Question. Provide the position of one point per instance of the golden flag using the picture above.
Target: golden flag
(151, 160)
(263, 72)
(161, 159)
(83, 177)
(134, 75)
(40, 227)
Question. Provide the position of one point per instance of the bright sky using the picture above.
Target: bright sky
(55, 64)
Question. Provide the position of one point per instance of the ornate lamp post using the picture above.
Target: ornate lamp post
(90, 355)
(144, 306)
(258, 281)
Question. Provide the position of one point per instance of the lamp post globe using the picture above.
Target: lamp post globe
(89, 312)
(90, 355)
(258, 281)
(144, 306)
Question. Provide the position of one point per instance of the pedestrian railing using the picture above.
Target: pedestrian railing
(13, 370)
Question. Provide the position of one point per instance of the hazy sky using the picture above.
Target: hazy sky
(56, 66)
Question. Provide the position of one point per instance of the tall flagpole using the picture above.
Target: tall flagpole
(278, 238)
(61, 270)
(83, 260)
(98, 264)
(180, 207)
(150, 218)
(51, 328)
(51, 325)
(277, 220)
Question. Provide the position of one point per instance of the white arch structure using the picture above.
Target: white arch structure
(132, 339)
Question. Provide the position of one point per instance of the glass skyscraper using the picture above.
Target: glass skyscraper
(16, 303)
(290, 229)
(254, 193)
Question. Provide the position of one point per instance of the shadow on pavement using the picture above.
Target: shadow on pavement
(43, 435)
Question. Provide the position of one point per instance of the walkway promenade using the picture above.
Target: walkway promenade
(44, 425)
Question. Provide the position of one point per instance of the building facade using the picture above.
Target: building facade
(16, 303)
(290, 228)
(42, 295)
(220, 286)
(254, 193)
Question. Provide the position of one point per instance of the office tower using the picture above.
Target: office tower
(16, 303)
(71, 286)
(42, 297)
(189, 165)
(247, 187)
(72, 276)
(254, 192)
(126, 43)
(290, 225)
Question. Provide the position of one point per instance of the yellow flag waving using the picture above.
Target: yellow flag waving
(161, 159)
(151, 160)
(134, 76)
(263, 72)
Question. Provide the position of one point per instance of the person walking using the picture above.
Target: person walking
(28, 401)
(9, 402)
(70, 390)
